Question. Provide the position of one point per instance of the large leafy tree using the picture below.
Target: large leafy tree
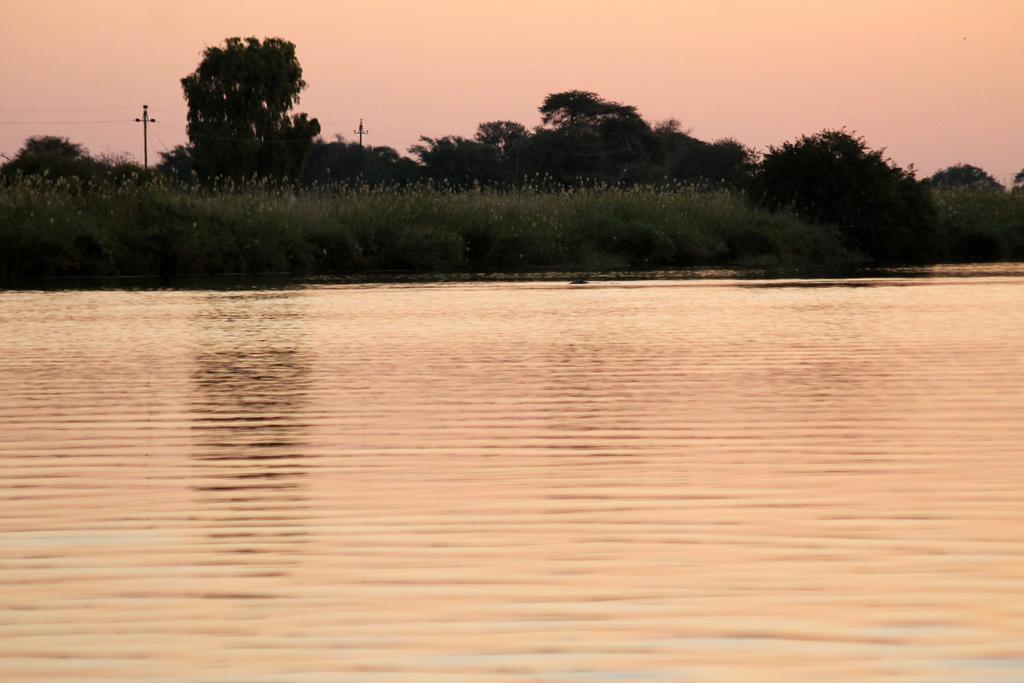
(582, 108)
(240, 99)
(832, 177)
(587, 137)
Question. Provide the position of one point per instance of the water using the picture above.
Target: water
(701, 481)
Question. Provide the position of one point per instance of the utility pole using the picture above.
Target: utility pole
(145, 121)
(361, 132)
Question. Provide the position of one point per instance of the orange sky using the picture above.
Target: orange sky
(934, 81)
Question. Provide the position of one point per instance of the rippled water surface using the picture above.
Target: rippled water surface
(698, 481)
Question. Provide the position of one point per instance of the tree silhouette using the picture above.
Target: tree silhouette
(239, 103)
(964, 175)
(51, 155)
(177, 163)
(459, 161)
(341, 162)
(832, 177)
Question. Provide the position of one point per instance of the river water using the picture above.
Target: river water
(697, 480)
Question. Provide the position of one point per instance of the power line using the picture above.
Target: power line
(160, 140)
(216, 136)
(407, 130)
(62, 109)
(50, 123)
(169, 112)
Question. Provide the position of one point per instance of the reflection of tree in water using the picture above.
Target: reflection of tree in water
(251, 379)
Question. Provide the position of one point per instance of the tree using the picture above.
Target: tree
(581, 108)
(239, 103)
(177, 163)
(339, 162)
(964, 175)
(586, 137)
(461, 162)
(54, 156)
(1018, 180)
(505, 137)
(723, 163)
(833, 178)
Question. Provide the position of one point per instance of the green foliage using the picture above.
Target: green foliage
(239, 103)
(833, 178)
(964, 175)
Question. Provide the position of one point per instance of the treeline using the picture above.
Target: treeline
(584, 138)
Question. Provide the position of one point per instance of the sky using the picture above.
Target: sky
(934, 82)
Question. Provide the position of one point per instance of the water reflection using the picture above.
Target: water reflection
(251, 382)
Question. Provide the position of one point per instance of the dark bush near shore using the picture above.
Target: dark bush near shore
(833, 178)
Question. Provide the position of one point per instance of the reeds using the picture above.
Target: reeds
(981, 224)
(138, 226)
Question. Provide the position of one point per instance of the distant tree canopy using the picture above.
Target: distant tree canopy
(1018, 180)
(964, 175)
(58, 157)
(347, 163)
(585, 137)
(832, 177)
(178, 163)
(53, 156)
(458, 161)
(239, 103)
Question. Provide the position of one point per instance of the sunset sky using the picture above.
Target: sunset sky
(936, 82)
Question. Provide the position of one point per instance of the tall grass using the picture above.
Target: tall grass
(66, 227)
(981, 224)
(135, 227)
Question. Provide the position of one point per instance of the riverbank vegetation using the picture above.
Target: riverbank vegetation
(143, 228)
(147, 226)
(593, 186)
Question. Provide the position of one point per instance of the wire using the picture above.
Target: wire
(214, 136)
(168, 112)
(50, 111)
(45, 123)
(160, 140)
(378, 123)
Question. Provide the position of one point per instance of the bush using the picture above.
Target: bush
(833, 178)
